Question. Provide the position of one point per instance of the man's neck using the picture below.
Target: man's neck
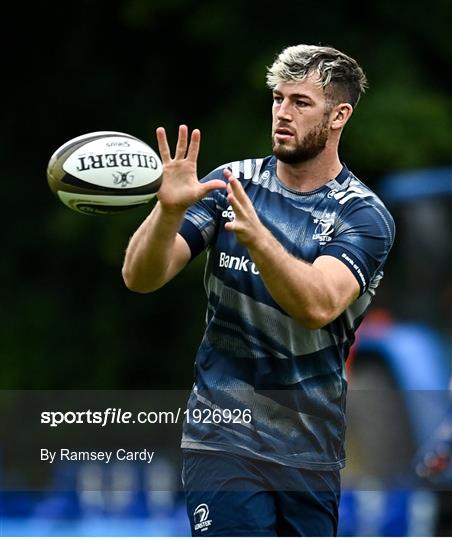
(309, 175)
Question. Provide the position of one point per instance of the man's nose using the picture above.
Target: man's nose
(283, 111)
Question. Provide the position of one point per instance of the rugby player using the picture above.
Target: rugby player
(296, 245)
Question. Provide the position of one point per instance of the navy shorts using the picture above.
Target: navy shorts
(232, 495)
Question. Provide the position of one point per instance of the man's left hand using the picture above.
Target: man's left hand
(246, 225)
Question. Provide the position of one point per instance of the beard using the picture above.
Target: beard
(308, 148)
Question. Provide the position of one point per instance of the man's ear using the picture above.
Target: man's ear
(340, 115)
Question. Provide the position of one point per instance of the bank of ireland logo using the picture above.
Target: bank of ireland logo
(324, 229)
(200, 517)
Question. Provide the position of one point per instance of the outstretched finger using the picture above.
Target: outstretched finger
(235, 203)
(163, 145)
(236, 188)
(193, 149)
(181, 147)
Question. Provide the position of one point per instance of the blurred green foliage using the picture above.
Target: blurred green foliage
(131, 65)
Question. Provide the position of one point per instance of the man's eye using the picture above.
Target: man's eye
(277, 99)
(301, 103)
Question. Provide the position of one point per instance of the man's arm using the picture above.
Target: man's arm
(314, 294)
(156, 252)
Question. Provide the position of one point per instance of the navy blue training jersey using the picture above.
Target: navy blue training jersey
(254, 357)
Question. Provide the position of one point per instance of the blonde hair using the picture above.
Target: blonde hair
(339, 75)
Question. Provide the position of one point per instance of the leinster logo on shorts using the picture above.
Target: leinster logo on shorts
(200, 515)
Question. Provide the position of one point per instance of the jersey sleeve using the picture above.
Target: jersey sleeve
(363, 239)
(200, 222)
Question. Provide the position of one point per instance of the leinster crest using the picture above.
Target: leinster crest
(323, 232)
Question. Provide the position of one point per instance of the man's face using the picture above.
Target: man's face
(300, 121)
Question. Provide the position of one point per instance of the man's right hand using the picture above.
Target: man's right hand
(180, 187)
(156, 252)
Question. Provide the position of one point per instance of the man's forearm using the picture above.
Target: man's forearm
(297, 286)
(314, 294)
(151, 251)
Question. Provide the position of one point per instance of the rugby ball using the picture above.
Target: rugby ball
(104, 172)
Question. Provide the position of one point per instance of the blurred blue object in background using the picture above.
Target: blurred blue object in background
(418, 184)
(388, 513)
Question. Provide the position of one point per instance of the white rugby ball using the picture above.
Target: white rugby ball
(104, 172)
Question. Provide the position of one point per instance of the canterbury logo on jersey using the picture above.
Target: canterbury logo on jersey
(242, 264)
